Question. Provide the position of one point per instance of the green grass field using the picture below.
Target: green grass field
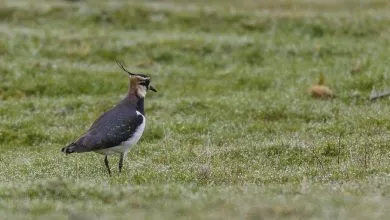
(232, 132)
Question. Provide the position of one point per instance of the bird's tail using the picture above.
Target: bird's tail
(69, 149)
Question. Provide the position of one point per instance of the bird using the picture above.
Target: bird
(121, 127)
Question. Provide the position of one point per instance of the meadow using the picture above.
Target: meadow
(232, 132)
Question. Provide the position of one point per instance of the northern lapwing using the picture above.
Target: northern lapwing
(118, 129)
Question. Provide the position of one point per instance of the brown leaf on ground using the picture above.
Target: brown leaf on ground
(320, 90)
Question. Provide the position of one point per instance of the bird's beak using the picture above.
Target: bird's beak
(152, 88)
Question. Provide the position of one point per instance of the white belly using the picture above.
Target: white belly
(125, 146)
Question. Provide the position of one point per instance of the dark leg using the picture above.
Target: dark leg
(121, 162)
(108, 166)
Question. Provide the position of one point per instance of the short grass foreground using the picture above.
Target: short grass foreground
(232, 132)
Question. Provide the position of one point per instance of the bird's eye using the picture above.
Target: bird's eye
(146, 84)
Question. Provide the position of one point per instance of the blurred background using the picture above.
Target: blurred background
(262, 108)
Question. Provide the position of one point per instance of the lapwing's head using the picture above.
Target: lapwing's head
(139, 83)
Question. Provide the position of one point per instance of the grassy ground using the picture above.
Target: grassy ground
(232, 132)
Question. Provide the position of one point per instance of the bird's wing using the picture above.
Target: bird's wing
(109, 130)
(120, 130)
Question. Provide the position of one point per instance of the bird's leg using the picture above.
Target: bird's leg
(121, 162)
(108, 166)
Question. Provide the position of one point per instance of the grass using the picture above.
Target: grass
(232, 132)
